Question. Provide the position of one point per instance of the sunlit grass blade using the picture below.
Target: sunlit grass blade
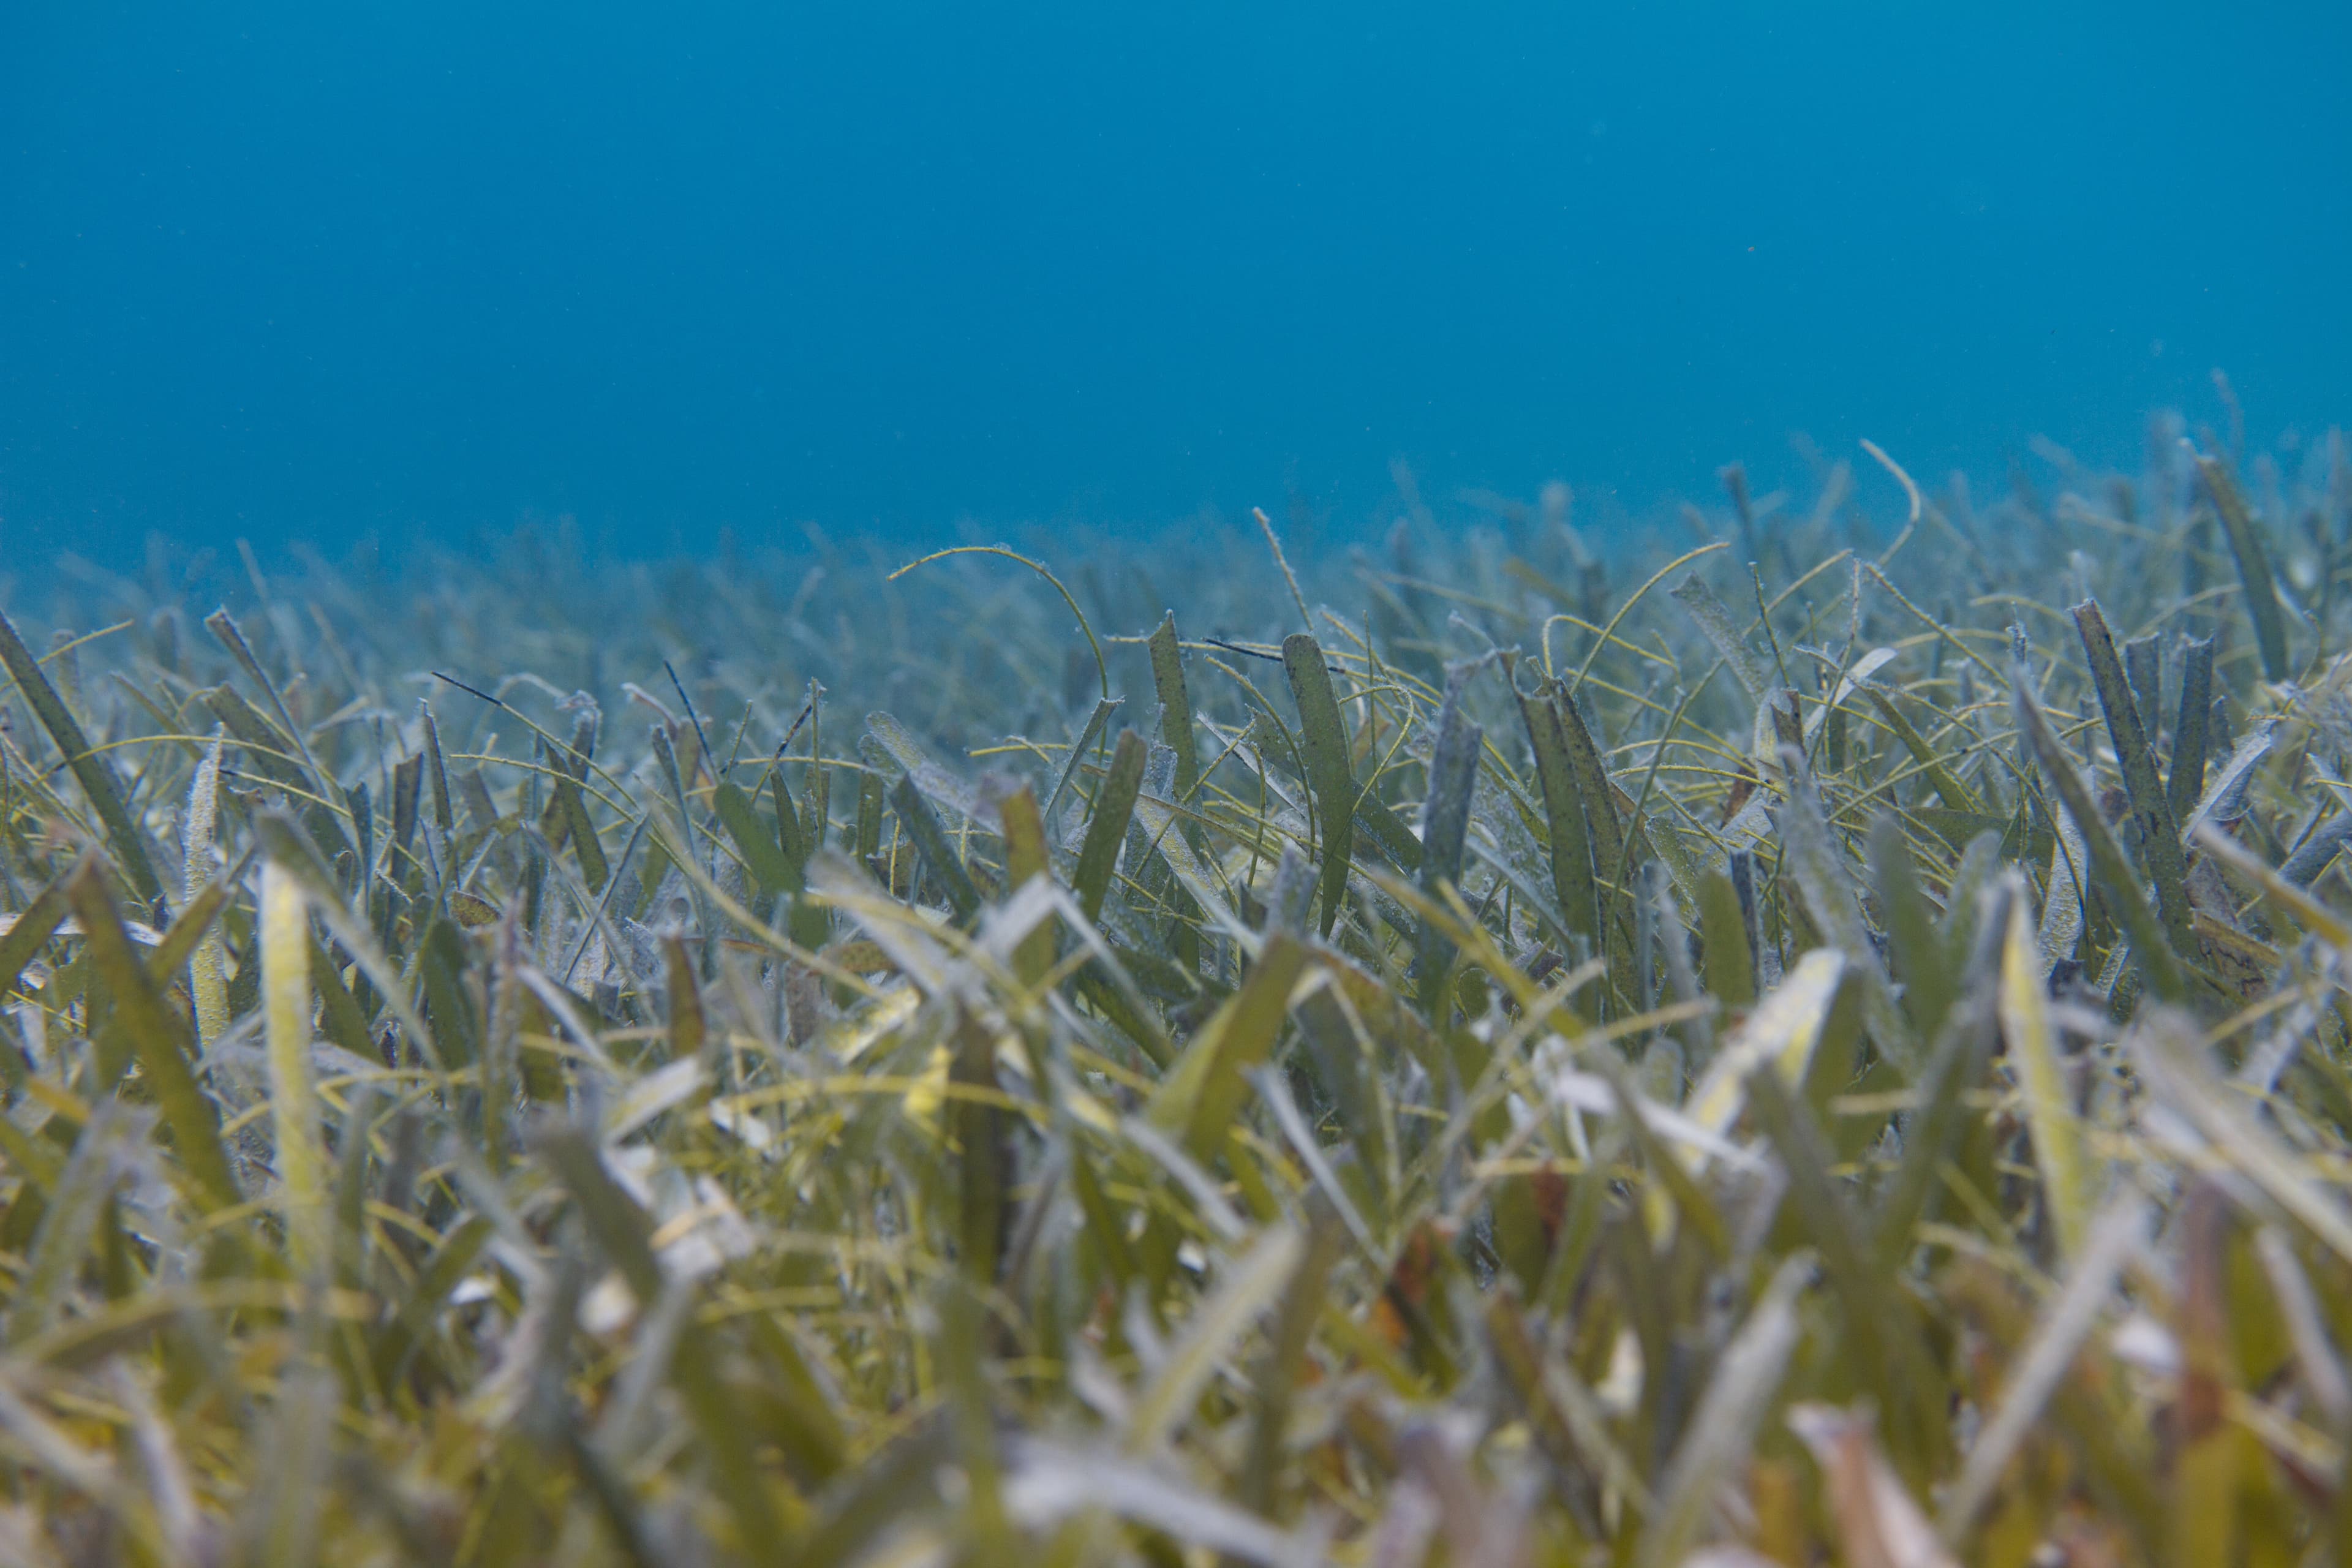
(206, 980)
(299, 1143)
(2061, 1153)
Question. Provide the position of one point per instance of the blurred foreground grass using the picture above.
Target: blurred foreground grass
(1479, 1054)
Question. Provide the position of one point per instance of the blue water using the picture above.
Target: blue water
(302, 271)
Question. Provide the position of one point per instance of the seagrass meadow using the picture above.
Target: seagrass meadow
(1819, 1035)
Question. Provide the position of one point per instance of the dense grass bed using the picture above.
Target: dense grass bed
(1488, 1050)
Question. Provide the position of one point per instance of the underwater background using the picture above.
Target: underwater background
(420, 272)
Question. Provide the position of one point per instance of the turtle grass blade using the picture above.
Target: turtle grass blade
(1956, 1064)
(2287, 896)
(33, 925)
(1729, 962)
(263, 743)
(299, 1147)
(2159, 831)
(288, 847)
(2170, 1051)
(1175, 704)
(1714, 619)
(141, 1025)
(1813, 859)
(1594, 789)
(1114, 807)
(442, 1270)
(984, 1173)
(1956, 795)
(770, 865)
(624, 1236)
(1255, 1282)
(1208, 1085)
(436, 770)
(581, 829)
(1277, 1377)
(2225, 797)
(2190, 745)
(1722, 1431)
(1569, 842)
(1565, 1420)
(2253, 565)
(1395, 841)
(1881, 1324)
(207, 975)
(2150, 941)
(266, 747)
(1444, 823)
(1104, 708)
(2110, 1241)
(2060, 1152)
(940, 858)
(224, 627)
(90, 770)
(1918, 958)
(1329, 768)
(1026, 857)
(2144, 667)
(78, 1198)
